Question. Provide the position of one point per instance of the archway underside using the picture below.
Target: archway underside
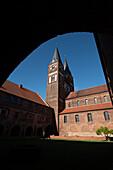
(26, 27)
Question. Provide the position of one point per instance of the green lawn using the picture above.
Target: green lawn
(57, 154)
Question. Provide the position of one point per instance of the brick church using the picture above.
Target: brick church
(23, 113)
(77, 113)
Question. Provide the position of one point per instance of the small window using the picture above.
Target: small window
(89, 117)
(106, 116)
(105, 99)
(65, 119)
(78, 103)
(14, 100)
(95, 100)
(29, 116)
(7, 98)
(69, 104)
(86, 101)
(21, 101)
(77, 118)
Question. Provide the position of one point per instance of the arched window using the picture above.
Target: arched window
(69, 104)
(95, 100)
(89, 117)
(53, 78)
(77, 118)
(106, 116)
(56, 77)
(78, 103)
(105, 99)
(65, 119)
(86, 101)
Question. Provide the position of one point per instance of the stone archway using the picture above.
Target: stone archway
(1, 130)
(27, 34)
(15, 131)
(48, 131)
(29, 131)
(39, 132)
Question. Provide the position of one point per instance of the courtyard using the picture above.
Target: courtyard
(56, 153)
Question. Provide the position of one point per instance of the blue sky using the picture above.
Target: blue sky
(82, 56)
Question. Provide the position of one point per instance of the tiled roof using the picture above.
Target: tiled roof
(22, 92)
(87, 108)
(88, 91)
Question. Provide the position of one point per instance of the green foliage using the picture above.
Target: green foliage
(98, 132)
(103, 130)
(111, 131)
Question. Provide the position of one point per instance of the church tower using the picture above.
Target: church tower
(59, 84)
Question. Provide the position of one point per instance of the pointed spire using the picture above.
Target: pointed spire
(66, 68)
(56, 56)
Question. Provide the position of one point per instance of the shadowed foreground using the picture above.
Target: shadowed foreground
(57, 154)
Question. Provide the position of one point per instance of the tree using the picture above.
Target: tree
(105, 131)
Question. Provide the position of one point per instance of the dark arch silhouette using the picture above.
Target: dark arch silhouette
(15, 131)
(1, 130)
(48, 131)
(29, 131)
(26, 26)
(39, 132)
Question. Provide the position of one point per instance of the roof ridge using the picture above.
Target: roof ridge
(42, 99)
(88, 91)
(91, 87)
(14, 89)
(22, 87)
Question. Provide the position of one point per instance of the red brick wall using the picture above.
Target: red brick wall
(83, 127)
(78, 137)
(100, 99)
(42, 115)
